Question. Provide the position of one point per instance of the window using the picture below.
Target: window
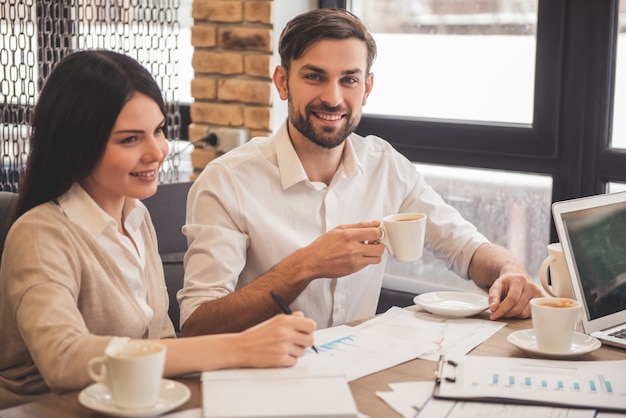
(465, 60)
(578, 98)
(510, 209)
(471, 62)
(618, 139)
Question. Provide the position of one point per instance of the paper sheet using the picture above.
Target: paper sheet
(436, 408)
(412, 399)
(586, 384)
(407, 398)
(276, 392)
(397, 336)
(355, 353)
(432, 335)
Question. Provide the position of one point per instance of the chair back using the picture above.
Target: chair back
(167, 209)
(8, 202)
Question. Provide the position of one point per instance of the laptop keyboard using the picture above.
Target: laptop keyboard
(619, 334)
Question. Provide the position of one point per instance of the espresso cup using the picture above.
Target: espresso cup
(554, 322)
(132, 374)
(403, 235)
(560, 282)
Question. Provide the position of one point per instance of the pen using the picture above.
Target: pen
(285, 308)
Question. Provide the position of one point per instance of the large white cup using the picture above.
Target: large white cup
(132, 374)
(554, 322)
(403, 235)
(560, 283)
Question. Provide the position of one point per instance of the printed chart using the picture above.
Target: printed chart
(591, 384)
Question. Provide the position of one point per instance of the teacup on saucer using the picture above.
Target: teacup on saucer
(526, 341)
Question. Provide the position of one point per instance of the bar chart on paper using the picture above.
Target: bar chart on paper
(549, 383)
(596, 384)
(355, 352)
(340, 343)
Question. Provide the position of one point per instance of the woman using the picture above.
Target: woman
(80, 269)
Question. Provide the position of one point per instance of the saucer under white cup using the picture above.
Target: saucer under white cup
(172, 394)
(452, 304)
(526, 341)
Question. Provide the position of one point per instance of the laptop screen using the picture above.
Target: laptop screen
(597, 239)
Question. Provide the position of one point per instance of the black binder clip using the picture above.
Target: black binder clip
(439, 373)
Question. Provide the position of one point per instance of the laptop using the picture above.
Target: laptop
(592, 231)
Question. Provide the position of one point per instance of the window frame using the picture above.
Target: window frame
(437, 137)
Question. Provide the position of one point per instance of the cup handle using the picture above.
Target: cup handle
(543, 274)
(385, 240)
(95, 363)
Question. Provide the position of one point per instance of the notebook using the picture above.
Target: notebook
(592, 231)
(278, 393)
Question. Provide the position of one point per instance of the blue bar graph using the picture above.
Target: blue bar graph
(605, 384)
(590, 385)
(562, 383)
(337, 344)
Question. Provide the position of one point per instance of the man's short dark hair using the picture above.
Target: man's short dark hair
(311, 27)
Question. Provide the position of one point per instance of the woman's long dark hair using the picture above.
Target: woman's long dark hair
(74, 117)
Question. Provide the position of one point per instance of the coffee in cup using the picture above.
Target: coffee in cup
(131, 374)
(560, 281)
(554, 323)
(403, 235)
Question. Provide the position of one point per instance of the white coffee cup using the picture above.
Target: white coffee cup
(560, 283)
(554, 322)
(403, 235)
(132, 374)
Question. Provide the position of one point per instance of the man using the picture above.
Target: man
(297, 213)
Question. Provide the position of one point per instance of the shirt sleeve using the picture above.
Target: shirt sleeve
(217, 242)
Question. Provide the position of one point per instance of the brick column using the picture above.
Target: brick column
(233, 65)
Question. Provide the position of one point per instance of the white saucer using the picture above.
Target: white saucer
(525, 341)
(97, 398)
(457, 304)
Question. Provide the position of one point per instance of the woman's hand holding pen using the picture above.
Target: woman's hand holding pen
(285, 308)
(277, 342)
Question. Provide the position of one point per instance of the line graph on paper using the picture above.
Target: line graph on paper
(340, 344)
(432, 335)
(355, 352)
(392, 338)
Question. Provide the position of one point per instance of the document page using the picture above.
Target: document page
(590, 384)
(392, 338)
(413, 399)
(276, 392)
(354, 352)
(432, 335)
(437, 408)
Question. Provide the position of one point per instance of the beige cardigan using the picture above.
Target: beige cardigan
(62, 299)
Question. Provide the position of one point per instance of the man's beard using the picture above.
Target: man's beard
(325, 137)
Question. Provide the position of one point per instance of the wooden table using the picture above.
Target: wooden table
(363, 389)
